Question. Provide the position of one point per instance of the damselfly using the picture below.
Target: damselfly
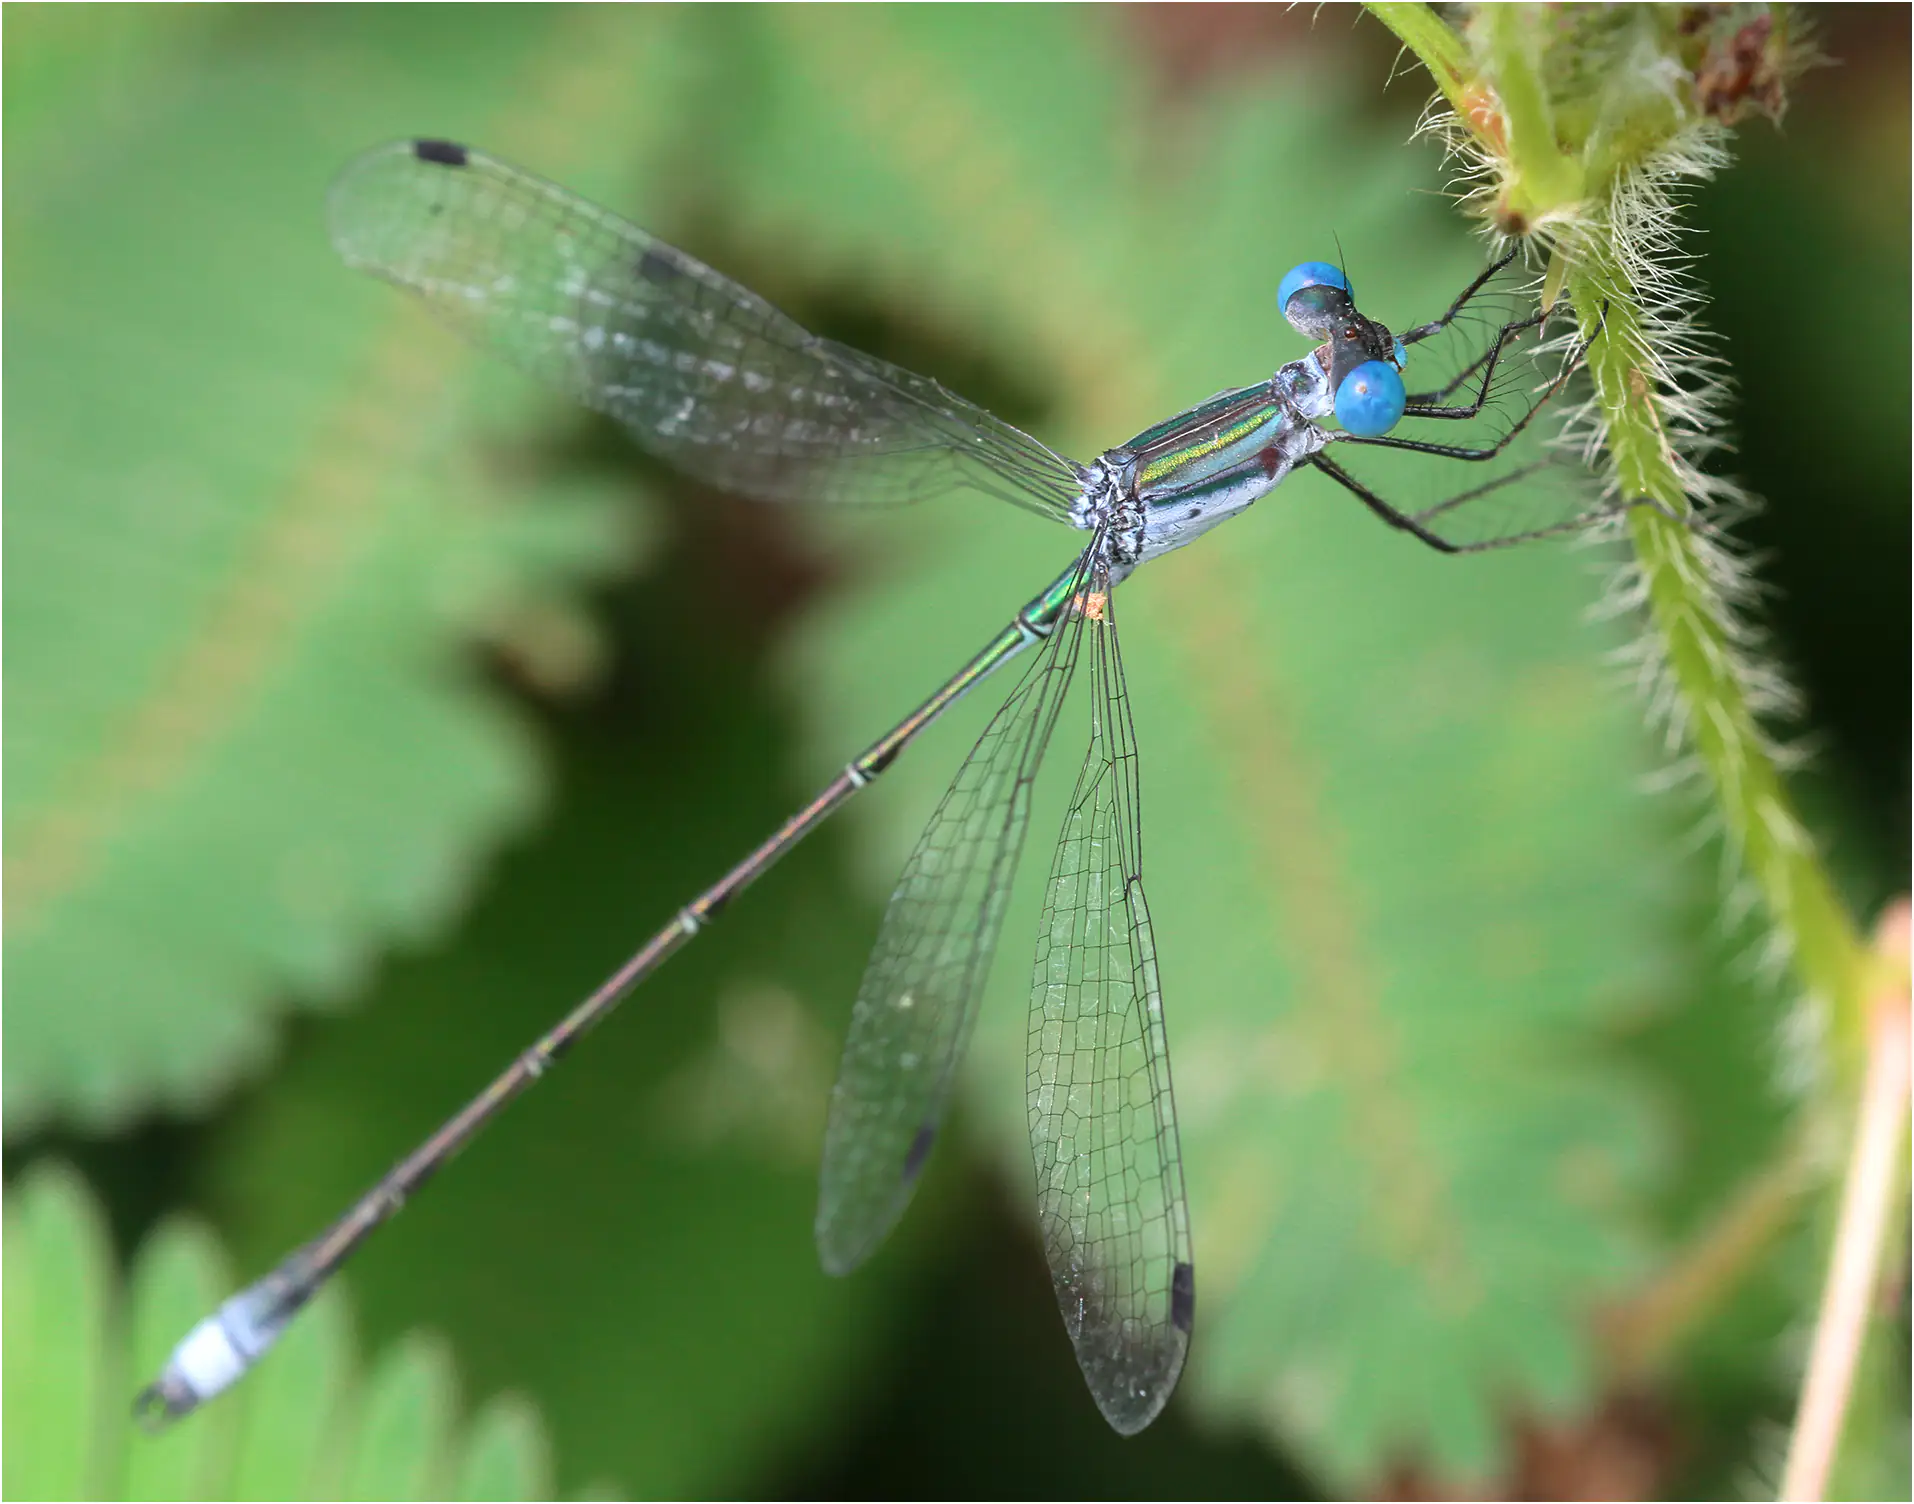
(712, 378)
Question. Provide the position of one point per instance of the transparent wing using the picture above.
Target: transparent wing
(1102, 1118)
(702, 372)
(919, 995)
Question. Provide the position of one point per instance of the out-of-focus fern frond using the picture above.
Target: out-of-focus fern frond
(308, 1426)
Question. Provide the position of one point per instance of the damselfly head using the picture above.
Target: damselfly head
(1318, 301)
(1361, 356)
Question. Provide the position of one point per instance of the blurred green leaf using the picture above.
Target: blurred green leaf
(68, 1390)
(57, 1338)
(1873, 1459)
(407, 1415)
(505, 1453)
(251, 524)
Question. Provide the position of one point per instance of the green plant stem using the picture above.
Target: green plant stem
(1543, 179)
(1702, 661)
(1685, 610)
(1500, 91)
(1435, 45)
(1700, 654)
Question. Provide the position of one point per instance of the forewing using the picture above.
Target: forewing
(1102, 1118)
(918, 999)
(701, 371)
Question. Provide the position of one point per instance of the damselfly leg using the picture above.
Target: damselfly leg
(1421, 332)
(1418, 524)
(1430, 404)
(1488, 452)
(1427, 521)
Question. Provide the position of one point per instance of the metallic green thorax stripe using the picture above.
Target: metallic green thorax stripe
(1218, 436)
(1209, 444)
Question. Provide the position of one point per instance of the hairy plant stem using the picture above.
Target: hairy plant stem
(1568, 193)
(1577, 147)
(1703, 658)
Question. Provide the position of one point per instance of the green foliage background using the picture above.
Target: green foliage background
(311, 1428)
(367, 706)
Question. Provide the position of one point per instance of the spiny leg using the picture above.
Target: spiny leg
(1391, 515)
(1462, 452)
(1436, 326)
(1416, 523)
(1428, 404)
(1438, 394)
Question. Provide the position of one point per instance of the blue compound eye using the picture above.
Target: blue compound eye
(1369, 401)
(1309, 274)
(1312, 315)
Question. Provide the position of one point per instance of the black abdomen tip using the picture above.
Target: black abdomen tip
(444, 153)
(1182, 1297)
